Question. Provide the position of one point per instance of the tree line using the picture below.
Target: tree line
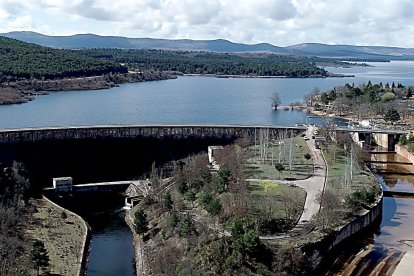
(188, 62)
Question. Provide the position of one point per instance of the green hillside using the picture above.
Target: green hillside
(214, 63)
(23, 60)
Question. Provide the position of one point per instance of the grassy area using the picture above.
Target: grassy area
(338, 169)
(63, 237)
(255, 168)
(276, 201)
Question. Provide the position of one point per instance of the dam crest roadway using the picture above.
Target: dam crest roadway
(157, 131)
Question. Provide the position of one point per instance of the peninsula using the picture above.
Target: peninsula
(29, 69)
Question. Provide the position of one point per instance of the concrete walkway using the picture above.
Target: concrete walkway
(315, 184)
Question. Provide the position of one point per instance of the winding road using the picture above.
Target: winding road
(314, 185)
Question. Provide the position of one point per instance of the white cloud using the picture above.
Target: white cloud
(281, 22)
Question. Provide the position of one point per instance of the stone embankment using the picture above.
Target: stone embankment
(79, 262)
(139, 254)
(134, 131)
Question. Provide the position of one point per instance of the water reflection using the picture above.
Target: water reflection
(395, 173)
(379, 251)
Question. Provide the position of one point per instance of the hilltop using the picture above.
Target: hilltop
(27, 69)
(218, 45)
(26, 60)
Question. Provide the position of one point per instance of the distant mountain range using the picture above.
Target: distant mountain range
(219, 45)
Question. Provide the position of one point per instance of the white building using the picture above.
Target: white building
(211, 151)
(62, 184)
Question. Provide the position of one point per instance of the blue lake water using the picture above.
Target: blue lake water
(190, 100)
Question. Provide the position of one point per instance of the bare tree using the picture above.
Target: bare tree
(330, 202)
(275, 100)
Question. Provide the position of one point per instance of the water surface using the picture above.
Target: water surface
(190, 100)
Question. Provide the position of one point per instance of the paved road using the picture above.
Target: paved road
(313, 186)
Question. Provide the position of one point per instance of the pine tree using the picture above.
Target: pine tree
(141, 222)
(39, 256)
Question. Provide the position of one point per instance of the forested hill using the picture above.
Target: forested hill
(23, 60)
(190, 62)
(347, 52)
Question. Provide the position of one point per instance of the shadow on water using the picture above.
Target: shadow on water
(111, 250)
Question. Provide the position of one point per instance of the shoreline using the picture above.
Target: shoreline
(24, 91)
(330, 75)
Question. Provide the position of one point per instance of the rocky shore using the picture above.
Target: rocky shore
(23, 91)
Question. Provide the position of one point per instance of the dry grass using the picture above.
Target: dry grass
(301, 169)
(63, 238)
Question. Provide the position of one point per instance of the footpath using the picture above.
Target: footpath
(313, 186)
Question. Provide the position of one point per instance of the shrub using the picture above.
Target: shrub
(174, 220)
(403, 140)
(182, 187)
(206, 198)
(359, 199)
(214, 207)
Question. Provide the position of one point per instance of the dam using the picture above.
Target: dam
(92, 154)
(133, 131)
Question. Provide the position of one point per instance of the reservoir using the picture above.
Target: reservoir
(208, 100)
(191, 100)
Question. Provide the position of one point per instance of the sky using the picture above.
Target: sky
(279, 22)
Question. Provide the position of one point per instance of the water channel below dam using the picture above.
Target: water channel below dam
(111, 250)
(379, 250)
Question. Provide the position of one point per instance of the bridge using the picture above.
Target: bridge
(132, 131)
(385, 138)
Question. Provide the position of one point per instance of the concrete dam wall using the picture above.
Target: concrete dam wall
(133, 131)
(112, 153)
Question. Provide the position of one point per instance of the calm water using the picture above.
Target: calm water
(111, 248)
(190, 100)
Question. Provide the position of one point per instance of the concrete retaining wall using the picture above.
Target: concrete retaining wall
(346, 232)
(404, 152)
(381, 139)
(358, 224)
